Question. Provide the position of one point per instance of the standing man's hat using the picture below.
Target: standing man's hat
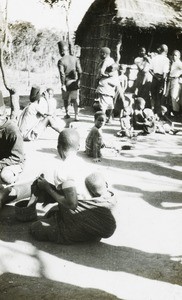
(34, 93)
(61, 45)
(2, 105)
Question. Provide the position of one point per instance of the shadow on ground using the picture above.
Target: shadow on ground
(96, 255)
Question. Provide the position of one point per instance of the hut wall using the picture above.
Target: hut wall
(99, 32)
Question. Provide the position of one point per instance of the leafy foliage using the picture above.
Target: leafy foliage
(30, 49)
(63, 3)
(176, 4)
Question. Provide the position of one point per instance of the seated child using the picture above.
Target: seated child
(126, 119)
(94, 141)
(150, 125)
(99, 190)
(143, 120)
(52, 103)
(163, 124)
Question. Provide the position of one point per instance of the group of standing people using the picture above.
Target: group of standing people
(159, 79)
(158, 82)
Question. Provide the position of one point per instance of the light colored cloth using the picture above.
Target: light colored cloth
(106, 102)
(31, 121)
(104, 64)
(107, 86)
(174, 89)
(73, 168)
(176, 69)
(174, 86)
(159, 64)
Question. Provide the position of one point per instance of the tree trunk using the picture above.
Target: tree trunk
(14, 96)
(118, 49)
(67, 4)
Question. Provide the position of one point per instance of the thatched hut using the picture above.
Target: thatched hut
(123, 26)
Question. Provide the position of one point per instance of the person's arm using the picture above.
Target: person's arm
(69, 200)
(125, 82)
(42, 106)
(78, 68)
(138, 119)
(166, 70)
(62, 75)
(97, 145)
(103, 68)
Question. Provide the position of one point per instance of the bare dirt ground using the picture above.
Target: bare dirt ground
(141, 261)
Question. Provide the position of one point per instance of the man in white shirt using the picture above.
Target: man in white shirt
(159, 68)
(175, 82)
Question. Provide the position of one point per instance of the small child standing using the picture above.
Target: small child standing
(119, 97)
(123, 78)
(126, 119)
(94, 141)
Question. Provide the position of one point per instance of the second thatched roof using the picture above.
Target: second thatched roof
(148, 13)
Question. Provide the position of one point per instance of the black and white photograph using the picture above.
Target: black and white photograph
(90, 149)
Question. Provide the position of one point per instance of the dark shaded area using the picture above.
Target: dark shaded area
(13, 286)
(150, 167)
(96, 255)
(155, 199)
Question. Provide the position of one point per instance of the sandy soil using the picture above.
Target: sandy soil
(141, 261)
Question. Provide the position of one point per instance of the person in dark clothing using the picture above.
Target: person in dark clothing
(70, 72)
(11, 148)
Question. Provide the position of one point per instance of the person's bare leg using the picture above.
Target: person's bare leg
(75, 106)
(4, 195)
(16, 192)
(56, 124)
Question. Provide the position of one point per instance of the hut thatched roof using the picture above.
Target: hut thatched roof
(147, 13)
(144, 14)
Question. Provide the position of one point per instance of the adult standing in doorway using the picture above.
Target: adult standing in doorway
(70, 72)
(143, 81)
(175, 82)
(159, 68)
